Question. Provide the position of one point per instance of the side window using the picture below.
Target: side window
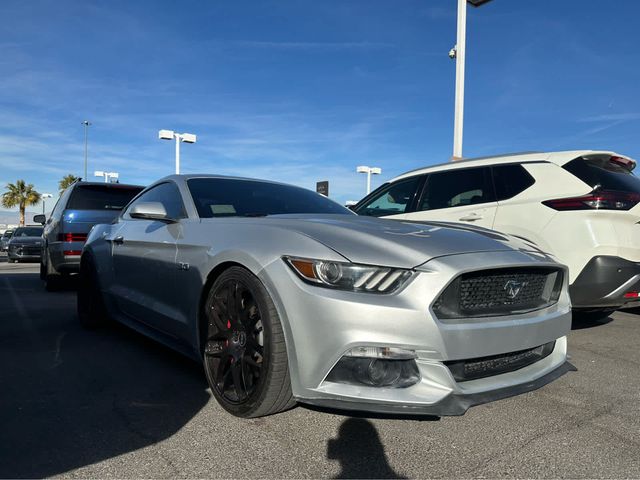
(165, 193)
(56, 213)
(457, 188)
(510, 180)
(393, 200)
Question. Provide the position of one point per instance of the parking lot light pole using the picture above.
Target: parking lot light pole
(108, 176)
(458, 52)
(369, 171)
(179, 137)
(86, 124)
(44, 196)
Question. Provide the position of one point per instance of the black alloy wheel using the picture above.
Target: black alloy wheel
(244, 352)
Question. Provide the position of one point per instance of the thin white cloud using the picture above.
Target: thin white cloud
(317, 46)
(609, 117)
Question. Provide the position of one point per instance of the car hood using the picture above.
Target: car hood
(26, 241)
(395, 243)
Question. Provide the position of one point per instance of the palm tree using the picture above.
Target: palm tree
(66, 181)
(20, 195)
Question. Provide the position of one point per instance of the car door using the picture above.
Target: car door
(144, 262)
(464, 195)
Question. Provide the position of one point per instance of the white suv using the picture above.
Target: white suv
(581, 206)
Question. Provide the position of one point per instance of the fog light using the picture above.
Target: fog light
(377, 367)
(383, 372)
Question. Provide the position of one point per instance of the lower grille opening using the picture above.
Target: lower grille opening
(472, 369)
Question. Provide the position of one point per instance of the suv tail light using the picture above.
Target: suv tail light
(627, 163)
(72, 237)
(597, 200)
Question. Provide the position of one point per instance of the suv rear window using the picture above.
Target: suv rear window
(601, 172)
(510, 180)
(102, 197)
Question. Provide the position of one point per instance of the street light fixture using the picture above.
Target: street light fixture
(108, 176)
(44, 196)
(369, 171)
(458, 52)
(179, 137)
(86, 124)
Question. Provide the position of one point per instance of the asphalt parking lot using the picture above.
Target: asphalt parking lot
(112, 404)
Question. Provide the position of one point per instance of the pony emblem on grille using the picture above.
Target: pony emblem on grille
(513, 288)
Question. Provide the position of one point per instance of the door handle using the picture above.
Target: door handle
(119, 240)
(472, 217)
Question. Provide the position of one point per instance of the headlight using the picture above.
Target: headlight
(349, 276)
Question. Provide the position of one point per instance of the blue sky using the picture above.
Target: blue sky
(300, 91)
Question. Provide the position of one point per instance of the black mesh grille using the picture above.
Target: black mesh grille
(499, 292)
(464, 370)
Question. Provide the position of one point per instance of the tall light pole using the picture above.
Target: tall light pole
(369, 171)
(86, 124)
(44, 196)
(179, 137)
(458, 52)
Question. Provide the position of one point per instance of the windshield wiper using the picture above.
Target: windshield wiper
(254, 214)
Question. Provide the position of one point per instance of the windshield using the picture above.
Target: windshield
(225, 197)
(102, 197)
(602, 173)
(28, 232)
(7, 234)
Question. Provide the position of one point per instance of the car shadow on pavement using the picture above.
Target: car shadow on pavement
(583, 321)
(359, 451)
(71, 397)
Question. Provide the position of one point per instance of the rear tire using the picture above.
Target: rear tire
(244, 349)
(92, 312)
(52, 280)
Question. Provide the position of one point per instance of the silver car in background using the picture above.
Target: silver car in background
(4, 240)
(25, 244)
(286, 296)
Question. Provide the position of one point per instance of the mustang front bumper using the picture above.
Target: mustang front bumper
(322, 325)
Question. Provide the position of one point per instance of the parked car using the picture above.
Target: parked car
(4, 240)
(580, 206)
(286, 296)
(80, 207)
(25, 244)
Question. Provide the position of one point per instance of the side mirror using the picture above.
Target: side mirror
(150, 211)
(41, 219)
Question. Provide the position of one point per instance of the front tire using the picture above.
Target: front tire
(92, 312)
(244, 350)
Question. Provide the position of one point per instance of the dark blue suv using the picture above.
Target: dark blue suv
(81, 206)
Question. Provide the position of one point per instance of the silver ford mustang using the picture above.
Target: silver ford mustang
(286, 297)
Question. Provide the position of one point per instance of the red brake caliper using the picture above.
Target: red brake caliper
(226, 342)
